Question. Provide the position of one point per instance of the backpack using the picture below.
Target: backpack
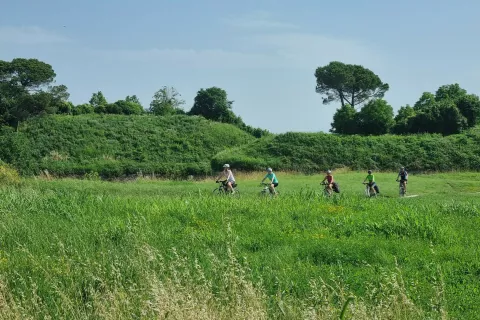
(335, 187)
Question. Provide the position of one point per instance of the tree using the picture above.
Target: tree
(426, 101)
(83, 109)
(375, 118)
(26, 90)
(29, 74)
(133, 99)
(98, 102)
(441, 117)
(452, 92)
(65, 108)
(349, 84)
(469, 106)
(124, 107)
(166, 101)
(403, 119)
(212, 103)
(344, 120)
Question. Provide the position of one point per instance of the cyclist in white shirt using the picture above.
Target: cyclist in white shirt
(228, 174)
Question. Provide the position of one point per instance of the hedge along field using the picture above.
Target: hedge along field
(313, 152)
(116, 145)
(177, 146)
(79, 249)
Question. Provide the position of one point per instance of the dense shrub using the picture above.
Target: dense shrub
(312, 152)
(8, 175)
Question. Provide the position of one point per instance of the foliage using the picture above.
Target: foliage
(118, 145)
(402, 120)
(450, 110)
(166, 101)
(124, 107)
(212, 103)
(8, 175)
(375, 118)
(27, 74)
(469, 106)
(133, 99)
(26, 90)
(349, 84)
(98, 102)
(313, 152)
(344, 120)
(85, 108)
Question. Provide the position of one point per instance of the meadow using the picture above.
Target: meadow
(161, 249)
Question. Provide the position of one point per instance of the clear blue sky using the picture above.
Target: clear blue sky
(263, 53)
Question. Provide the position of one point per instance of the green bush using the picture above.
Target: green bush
(8, 175)
(313, 152)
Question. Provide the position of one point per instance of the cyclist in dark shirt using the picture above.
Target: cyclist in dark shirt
(403, 176)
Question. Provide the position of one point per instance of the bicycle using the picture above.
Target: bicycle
(222, 188)
(326, 191)
(401, 188)
(266, 190)
(369, 189)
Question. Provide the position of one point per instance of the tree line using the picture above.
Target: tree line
(27, 89)
(363, 110)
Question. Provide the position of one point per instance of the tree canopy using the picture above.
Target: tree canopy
(166, 101)
(212, 103)
(26, 90)
(348, 83)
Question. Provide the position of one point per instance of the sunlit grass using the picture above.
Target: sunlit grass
(147, 249)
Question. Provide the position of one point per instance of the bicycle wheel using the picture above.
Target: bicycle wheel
(402, 191)
(218, 191)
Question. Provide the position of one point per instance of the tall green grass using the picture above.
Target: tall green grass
(163, 249)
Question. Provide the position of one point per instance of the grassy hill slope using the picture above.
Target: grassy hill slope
(116, 145)
(310, 152)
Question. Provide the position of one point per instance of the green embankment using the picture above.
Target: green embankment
(116, 145)
(311, 152)
(177, 146)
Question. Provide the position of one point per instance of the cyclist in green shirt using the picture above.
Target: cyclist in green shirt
(273, 178)
(371, 181)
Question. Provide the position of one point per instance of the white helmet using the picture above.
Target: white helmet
(269, 170)
(329, 171)
(226, 165)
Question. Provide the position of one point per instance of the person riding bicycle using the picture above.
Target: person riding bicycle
(230, 179)
(273, 179)
(330, 180)
(371, 181)
(403, 175)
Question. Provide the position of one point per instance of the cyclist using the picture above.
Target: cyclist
(330, 181)
(403, 175)
(371, 181)
(273, 179)
(227, 173)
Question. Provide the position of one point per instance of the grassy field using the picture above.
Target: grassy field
(149, 249)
